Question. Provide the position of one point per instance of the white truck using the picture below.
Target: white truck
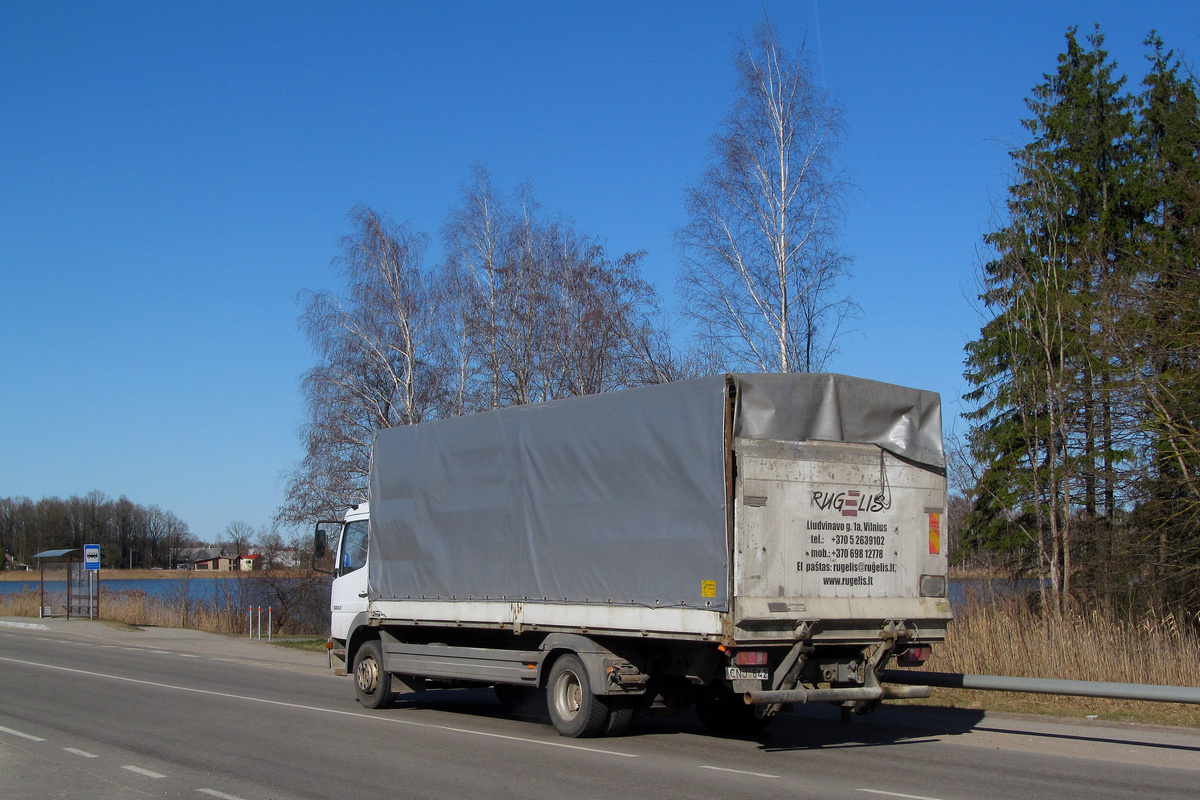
(740, 542)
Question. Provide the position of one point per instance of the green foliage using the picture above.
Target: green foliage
(1169, 328)
(1086, 397)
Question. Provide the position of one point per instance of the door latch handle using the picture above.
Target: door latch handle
(362, 594)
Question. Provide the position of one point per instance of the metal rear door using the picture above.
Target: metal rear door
(831, 528)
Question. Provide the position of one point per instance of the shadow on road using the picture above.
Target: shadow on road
(821, 728)
(815, 727)
(812, 728)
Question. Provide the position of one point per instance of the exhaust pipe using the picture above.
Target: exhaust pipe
(844, 695)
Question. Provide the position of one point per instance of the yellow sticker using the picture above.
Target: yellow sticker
(708, 588)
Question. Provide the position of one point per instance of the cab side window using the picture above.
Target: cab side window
(354, 547)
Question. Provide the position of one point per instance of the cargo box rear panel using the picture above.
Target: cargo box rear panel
(835, 534)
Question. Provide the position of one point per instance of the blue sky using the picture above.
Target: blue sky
(173, 174)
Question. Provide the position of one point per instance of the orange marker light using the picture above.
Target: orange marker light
(935, 534)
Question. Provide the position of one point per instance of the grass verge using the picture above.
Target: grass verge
(309, 644)
(1002, 636)
(225, 611)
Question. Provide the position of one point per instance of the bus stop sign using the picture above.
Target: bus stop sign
(91, 556)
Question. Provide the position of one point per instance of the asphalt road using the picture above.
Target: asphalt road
(89, 710)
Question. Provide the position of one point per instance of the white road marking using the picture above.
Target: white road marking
(22, 735)
(187, 655)
(221, 795)
(78, 752)
(318, 709)
(739, 771)
(897, 794)
(140, 771)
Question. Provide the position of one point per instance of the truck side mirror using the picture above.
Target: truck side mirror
(321, 541)
(320, 544)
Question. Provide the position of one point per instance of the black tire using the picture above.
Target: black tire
(726, 713)
(372, 683)
(621, 711)
(574, 710)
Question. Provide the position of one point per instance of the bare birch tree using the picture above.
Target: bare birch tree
(539, 309)
(761, 268)
(524, 308)
(474, 235)
(381, 362)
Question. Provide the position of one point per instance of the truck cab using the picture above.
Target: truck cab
(348, 541)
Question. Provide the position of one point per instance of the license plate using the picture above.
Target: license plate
(743, 674)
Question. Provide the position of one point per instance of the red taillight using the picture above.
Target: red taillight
(914, 656)
(750, 658)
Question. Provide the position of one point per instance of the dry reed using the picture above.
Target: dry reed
(226, 612)
(1001, 635)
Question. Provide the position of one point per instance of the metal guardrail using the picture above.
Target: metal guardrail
(1003, 683)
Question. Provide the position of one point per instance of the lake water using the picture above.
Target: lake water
(163, 589)
(207, 588)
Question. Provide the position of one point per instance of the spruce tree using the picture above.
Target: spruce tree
(1166, 343)
(1044, 371)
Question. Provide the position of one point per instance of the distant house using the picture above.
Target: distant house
(13, 564)
(213, 559)
(249, 563)
(286, 558)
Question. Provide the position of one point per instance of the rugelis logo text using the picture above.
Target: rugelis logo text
(851, 502)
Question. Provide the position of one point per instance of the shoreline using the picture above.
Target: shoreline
(60, 574)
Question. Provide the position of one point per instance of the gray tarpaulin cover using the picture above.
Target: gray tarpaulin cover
(611, 498)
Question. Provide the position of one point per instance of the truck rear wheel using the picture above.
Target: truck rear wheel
(574, 710)
(372, 683)
(621, 711)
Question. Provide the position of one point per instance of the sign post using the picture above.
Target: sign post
(91, 564)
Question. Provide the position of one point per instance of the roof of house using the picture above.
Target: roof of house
(209, 553)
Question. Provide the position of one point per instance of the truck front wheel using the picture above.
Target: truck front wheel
(574, 710)
(372, 684)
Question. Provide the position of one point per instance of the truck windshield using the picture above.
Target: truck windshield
(354, 546)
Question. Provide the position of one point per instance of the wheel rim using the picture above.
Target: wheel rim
(568, 695)
(367, 675)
